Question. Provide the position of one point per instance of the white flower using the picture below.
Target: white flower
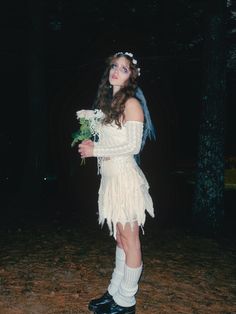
(134, 61)
(80, 114)
(98, 113)
(129, 54)
(139, 71)
(87, 114)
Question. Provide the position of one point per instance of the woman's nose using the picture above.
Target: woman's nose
(116, 70)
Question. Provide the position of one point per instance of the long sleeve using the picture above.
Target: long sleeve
(131, 146)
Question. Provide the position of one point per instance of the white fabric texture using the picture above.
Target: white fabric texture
(132, 144)
(123, 192)
(118, 271)
(125, 296)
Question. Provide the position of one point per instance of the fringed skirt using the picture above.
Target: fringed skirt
(123, 193)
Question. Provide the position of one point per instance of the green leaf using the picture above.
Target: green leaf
(84, 133)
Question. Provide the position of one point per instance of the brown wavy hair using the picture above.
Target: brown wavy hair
(113, 106)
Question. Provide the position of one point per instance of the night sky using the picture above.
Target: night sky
(73, 38)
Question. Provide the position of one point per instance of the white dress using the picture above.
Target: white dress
(123, 193)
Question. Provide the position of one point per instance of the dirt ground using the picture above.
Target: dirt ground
(51, 269)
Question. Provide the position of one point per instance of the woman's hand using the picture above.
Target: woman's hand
(86, 149)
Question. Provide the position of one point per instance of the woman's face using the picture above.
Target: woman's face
(119, 72)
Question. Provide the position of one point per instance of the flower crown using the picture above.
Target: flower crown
(134, 61)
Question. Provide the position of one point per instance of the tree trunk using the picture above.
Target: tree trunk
(208, 206)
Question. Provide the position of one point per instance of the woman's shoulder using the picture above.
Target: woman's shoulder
(132, 101)
(133, 109)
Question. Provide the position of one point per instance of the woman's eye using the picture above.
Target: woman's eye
(125, 70)
(113, 66)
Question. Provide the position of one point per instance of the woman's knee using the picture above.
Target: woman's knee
(129, 237)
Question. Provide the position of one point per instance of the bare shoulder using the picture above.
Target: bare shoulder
(133, 110)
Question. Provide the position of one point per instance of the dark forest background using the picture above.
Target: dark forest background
(52, 58)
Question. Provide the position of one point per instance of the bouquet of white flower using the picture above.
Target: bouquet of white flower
(88, 120)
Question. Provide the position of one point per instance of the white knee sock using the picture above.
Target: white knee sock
(125, 296)
(118, 272)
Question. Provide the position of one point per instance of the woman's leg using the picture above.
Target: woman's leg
(118, 271)
(118, 239)
(129, 238)
(117, 275)
(125, 296)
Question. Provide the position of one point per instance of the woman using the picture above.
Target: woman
(123, 193)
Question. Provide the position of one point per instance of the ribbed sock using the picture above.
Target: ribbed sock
(118, 272)
(125, 296)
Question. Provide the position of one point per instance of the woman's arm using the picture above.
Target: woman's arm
(132, 144)
(134, 125)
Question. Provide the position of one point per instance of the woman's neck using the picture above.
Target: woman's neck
(116, 88)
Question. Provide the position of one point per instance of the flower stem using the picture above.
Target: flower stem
(82, 163)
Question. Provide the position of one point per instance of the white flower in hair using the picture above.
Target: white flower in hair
(139, 71)
(129, 54)
(134, 61)
(119, 53)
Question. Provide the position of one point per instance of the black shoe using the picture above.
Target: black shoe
(95, 304)
(113, 308)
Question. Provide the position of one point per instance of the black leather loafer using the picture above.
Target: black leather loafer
(113, 308)
(95, 304)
